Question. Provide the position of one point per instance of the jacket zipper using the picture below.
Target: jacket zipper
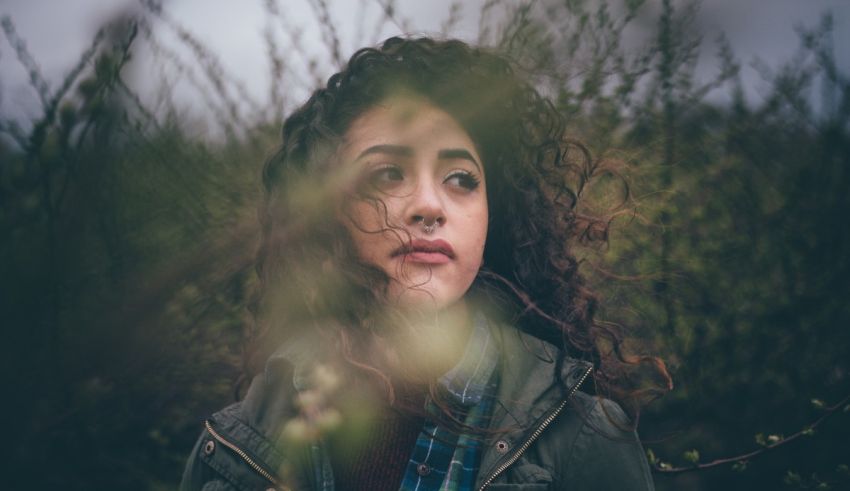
(536, 434)
(241, 453)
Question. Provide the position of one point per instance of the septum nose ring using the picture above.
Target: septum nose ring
(428, 228)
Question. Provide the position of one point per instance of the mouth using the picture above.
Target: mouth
(426, 251)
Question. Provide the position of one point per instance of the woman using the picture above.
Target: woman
(426, 324)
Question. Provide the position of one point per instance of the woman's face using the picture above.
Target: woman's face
(420, 209)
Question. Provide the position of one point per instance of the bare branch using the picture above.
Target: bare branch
(14, 130)
(72, 76)
(329, 30)
(484, 21)
(296, 47)
(211, 65)
(20, 46)
(452, 20)
(136, 100)
(806, 431)
(187, 71)
(360, 34)
(276, 70)
(390, 15)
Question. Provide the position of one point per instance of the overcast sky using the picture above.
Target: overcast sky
(57, 32)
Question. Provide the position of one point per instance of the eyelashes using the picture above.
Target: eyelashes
(463, 179)
(390, 177)
(385, 174)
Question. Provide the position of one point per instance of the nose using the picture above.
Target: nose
(426, 205)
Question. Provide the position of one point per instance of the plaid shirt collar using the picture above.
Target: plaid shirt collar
(442, 459)
(452, 460)
(467, 382)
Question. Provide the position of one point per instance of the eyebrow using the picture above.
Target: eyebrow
(457, 153)
(405, 151)
(397, 150)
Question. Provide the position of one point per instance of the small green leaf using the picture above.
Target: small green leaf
(808, 431)
(760, 439)
(691, 456)
(664, 465)
(818, 403)
(773, 439)
(296, 430)
(650, 456)
(843, 469)
(823, 485)
(792, 478)
(739, 466)
(329, 420)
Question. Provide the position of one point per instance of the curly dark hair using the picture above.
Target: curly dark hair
(534, 178)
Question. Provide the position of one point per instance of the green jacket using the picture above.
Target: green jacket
(558, 440)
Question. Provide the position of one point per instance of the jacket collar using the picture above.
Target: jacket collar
(527, 391)
(526, 366)
(529, 375)
(471, 378)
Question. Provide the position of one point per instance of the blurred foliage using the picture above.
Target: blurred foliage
(127, 236)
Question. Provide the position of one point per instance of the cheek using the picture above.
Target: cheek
(470, 235)
(369, 224)
(361, 216)
(477, 227)
(371, 214)
(360, 219)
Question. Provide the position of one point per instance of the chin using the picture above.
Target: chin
(419, 299)
(425, 297)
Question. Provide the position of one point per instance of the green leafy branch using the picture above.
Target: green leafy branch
(766, 443)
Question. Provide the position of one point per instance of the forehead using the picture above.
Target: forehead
(410, 121)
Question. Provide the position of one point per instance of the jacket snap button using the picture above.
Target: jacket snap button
(423, 470)
(209, 447)
(502, 446)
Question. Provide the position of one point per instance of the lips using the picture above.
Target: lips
(426, 251)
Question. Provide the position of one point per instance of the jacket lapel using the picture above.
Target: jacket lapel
(527, 393)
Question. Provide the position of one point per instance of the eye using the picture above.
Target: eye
(463, 179)
(385, 177)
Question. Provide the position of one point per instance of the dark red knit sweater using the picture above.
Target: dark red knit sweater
(375, 459)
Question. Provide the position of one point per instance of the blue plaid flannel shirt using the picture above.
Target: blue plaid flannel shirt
(443, 459)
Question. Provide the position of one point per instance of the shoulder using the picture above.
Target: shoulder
(212, 465)
(241, 432)
(599, 447)
(591, 444)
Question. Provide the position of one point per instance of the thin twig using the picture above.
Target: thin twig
(137, 101)
(13, 129)
(296, 47)
(189, 74)
(389, 10)
(329, 30)
(807, 430)
(452, 20)
(211, 65)
(25, 58)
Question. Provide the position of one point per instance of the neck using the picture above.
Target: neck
(429, 343)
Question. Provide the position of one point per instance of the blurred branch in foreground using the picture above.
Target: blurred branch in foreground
(129, 225)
